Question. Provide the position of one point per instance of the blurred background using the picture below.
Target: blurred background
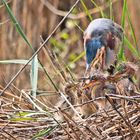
(38, 18)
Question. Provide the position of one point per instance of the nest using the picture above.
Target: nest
(106, 106)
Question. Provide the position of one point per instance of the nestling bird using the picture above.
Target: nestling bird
(101, 39)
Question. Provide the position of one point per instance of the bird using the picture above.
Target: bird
(101, 38)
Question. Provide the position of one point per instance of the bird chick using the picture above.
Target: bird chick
(102, 35)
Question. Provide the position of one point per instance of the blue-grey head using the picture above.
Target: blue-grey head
(100, 33)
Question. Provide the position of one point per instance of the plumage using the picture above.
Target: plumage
(91, 51)
(100, 33)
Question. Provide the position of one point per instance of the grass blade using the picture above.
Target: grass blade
(44, 132)
(132, 31)
(131, 48)
(121, 51)
(16, 24)
(110, 9)
(102, 13)
(17, 61)
(86, 10)
(34, 75)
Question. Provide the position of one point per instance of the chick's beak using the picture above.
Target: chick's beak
(94, 83)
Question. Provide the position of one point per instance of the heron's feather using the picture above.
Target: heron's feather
(91, 49)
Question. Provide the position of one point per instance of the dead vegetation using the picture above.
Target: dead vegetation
(103, 105)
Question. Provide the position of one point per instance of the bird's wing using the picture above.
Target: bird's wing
(117, 30)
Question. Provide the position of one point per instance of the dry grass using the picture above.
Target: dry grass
(114, 114)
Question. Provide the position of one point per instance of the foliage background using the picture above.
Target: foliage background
(22, 114)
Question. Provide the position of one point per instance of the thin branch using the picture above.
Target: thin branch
(129, 98)
(32, 102)
(5, 21)
(6, 2)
